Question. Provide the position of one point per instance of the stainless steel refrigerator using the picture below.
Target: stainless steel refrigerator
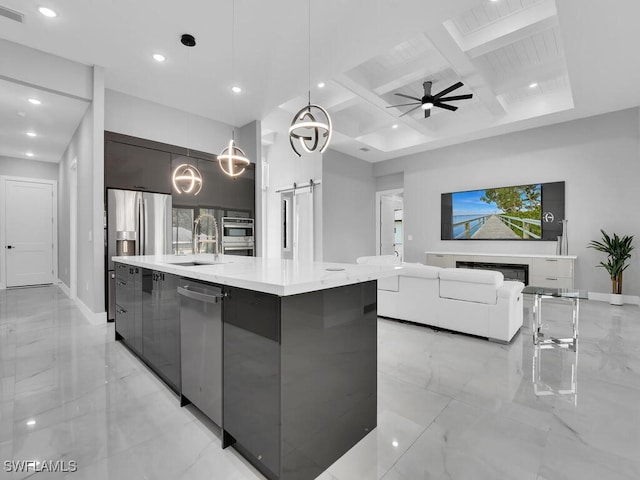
(138, 223)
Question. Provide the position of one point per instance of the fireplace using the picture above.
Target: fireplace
(511, 271)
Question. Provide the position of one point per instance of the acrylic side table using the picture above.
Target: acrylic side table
(569, 294)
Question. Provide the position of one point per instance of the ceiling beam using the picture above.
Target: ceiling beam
(465, 69)
(356, 83)
(411, 72)
(506, 30)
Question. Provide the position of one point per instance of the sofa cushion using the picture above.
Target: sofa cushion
(419, 270)
(470, 285)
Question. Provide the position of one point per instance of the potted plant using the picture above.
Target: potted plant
(618, 250)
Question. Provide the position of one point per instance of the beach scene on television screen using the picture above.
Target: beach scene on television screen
(505, 213)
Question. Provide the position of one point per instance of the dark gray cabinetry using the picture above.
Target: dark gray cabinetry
(251, 338)
(299, 376)
(201, 346)
(218, 189)
(129, 306)
(132, 167)
(161, 325)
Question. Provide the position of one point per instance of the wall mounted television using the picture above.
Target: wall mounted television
(521, 212)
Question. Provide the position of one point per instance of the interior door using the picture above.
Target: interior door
(29, 233)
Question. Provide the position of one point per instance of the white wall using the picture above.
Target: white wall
(285, 168)
(87, 147)
(597, 157)
(144, 119)
(19, 167)
(33, 67)
(348, 208)
(394, 181)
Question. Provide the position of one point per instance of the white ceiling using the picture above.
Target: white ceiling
(582, 55)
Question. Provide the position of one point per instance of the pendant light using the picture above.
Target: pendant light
(186, 178)
(232, 159)
(311, 126)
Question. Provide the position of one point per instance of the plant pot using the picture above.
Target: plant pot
(616, 299)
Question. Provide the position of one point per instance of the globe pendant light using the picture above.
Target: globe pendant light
(232, 159)
(187, 179)
(311, 126)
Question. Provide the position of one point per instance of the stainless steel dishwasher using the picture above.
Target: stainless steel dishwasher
(201, 346)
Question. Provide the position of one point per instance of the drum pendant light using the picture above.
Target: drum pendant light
(232, 159)
(311, 126)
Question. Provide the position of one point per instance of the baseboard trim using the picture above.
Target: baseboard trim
(90, 315)
(64, 288)
(604, 297)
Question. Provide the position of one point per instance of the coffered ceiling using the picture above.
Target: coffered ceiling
(526, 62)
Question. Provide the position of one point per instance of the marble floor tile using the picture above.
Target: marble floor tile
(370, 458)
(450, 406)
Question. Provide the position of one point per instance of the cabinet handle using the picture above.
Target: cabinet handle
(549, 278)
(203, 297)
(550, 259)
(120, 310)
(439, 256)
(120, 282)
(140, 187)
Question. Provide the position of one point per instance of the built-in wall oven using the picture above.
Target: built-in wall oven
(238, 236)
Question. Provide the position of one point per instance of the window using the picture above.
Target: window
(182, 229)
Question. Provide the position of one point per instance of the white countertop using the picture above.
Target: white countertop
(275, 276)
(517, 255)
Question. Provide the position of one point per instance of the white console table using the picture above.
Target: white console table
(544, 270)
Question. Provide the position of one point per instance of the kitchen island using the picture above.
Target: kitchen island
(298, 348)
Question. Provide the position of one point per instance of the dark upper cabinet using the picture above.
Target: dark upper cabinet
(133, 167)
(218, 189)
(132, 163)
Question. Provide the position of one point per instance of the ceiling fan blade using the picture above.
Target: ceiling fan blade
(409, 111)
(427, 88)
(453, 87)
(445, 106)
(404, 104)
(407, 96)
(427, 113)
(456, 97)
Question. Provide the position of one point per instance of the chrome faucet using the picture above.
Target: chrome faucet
(199, 238)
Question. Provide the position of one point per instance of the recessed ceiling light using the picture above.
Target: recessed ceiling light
(158, 57)
(395, 443)
(236, 89)
(32, 134)
(29, 154)
(47, 12)
(493, 1)
(533, 85)
(395, 125)
(31, 423)
(34, 101)
(321, 85)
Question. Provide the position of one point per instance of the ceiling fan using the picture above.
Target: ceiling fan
(429, 101)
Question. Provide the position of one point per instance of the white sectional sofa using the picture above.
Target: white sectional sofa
(478, 302)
